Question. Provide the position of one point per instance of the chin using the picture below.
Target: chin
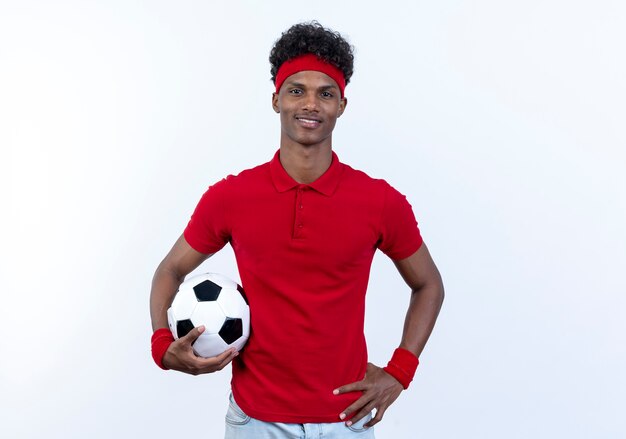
(308, 141)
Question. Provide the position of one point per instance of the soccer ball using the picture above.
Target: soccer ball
(220, 305)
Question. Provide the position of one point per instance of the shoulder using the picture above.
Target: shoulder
(357, 178)
(376, 192)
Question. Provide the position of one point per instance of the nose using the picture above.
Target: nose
(310, 102)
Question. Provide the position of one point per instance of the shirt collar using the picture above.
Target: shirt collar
(325, 184)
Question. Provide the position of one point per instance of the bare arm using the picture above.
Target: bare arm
(422, 276)
(379, 388)
(181, 260)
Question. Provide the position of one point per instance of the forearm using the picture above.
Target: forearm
(421, 316)
(165, 283)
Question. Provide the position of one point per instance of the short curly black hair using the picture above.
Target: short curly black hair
(312, 37)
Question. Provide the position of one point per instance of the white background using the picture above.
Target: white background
(503, 123)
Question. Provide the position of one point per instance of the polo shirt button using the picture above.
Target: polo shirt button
(301, 206)
(300, 225)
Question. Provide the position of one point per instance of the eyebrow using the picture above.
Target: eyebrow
(300, 85)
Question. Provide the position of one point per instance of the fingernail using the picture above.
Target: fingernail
(342, 416)
(336, 392)
(201, 328)
(349, 423)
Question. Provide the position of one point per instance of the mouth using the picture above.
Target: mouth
(308, 122)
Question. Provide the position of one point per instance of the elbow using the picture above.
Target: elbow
(166, 268)
(441, 293)
(435, 292)
(432, 291)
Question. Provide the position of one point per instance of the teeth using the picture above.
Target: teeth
(307, 120)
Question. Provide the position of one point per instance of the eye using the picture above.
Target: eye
(327, 94)
(295, 91)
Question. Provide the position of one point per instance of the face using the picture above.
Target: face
(309, 103)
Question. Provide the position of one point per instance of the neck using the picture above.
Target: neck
(305, 164)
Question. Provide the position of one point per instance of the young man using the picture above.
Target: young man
(304, 228)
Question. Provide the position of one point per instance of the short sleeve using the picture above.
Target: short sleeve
(399, 233)
(207, 230)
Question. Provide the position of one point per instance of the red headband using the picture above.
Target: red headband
(309, 61)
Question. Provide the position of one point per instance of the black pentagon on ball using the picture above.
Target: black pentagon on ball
(231, 330)
(207, 291)
(243, 294)
(183, 327)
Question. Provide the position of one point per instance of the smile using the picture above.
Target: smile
(310, 123)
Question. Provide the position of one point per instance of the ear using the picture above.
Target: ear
(343, 103)
(275, 102)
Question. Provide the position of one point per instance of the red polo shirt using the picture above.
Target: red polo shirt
(304, 254)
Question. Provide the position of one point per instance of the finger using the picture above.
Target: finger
(354, 407)
(193, 335)
(376, 419)
(352, 387)
(361, 414)
(228, 359)
(226, 355)
(218, 362)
